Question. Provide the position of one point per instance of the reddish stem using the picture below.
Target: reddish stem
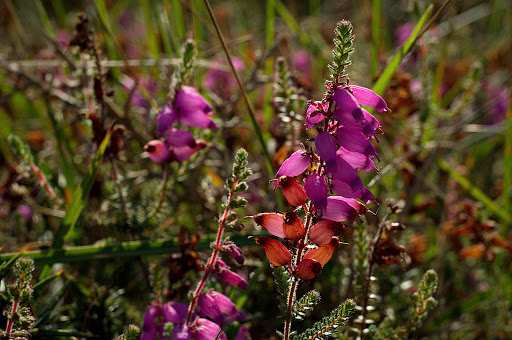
(213, 258)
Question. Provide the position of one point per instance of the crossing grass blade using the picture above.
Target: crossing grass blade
(117, 250)
(386, 76)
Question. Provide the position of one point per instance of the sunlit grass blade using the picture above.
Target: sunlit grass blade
(475, 192)
(5, 266)
(118, 250)
(386, 76)
(104, 17)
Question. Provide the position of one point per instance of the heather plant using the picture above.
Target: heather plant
(380, 191)
(341, 147)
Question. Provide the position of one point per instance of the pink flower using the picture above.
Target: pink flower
(317, 191)
(219, 307)
(315, 113)
(157, 151)
(230, 277)
(294, 165)
(233, 251)
(189, 108)
(207, 330)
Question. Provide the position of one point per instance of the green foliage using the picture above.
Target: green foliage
(360, 258)
(305, 305)
(131, 333)
(18, 314)
(324, 328)
(236, 184)
(286, 99)
(282, 280)
(20, 149)
(424, 302)
(343, 47)
(186, 65)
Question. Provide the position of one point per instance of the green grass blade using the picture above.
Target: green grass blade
(374, 62)
(44, 17)
(164, 27)
(475, 192)
(386, 76)
(5, 266)
(60, 13)
(507, 175)
(150, 32)
(118, 250)
(80, 197)
(61, 142)
(290, 21)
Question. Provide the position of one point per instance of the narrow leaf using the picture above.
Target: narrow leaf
(475, 192)
(386, 76)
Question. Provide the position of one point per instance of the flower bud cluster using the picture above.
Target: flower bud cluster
(329, 189)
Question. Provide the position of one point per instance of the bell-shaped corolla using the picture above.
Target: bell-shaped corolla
(276, 253)
(292, 190)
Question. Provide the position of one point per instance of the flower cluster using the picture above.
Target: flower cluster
(212, 304)
(191, 322)
(341, 148)
(188, 108)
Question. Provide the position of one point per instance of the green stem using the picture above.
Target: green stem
(250, 108)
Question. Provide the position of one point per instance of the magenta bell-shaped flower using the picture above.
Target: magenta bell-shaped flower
(294, 165)
(207, 330)
(223, 271)
(219, 307)
(189, 108)
(157, 151)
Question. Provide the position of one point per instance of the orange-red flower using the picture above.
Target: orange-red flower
(277, 254)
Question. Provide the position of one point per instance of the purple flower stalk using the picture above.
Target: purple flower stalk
(332, 189)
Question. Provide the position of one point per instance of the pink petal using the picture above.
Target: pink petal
(338, 210)
(314, 113)
(157, 151)
(207, 330)
(345, 174)
(347, 104)
(356, 160)
(317, 191)
(196, 118)
(350, 122)
(295, 165)
(326, 148)
(174, 312)
(188, 98)
(175, 137)
(371, 119)
(181, 332)
(165, 119)
(355, 141)
(369, 98)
